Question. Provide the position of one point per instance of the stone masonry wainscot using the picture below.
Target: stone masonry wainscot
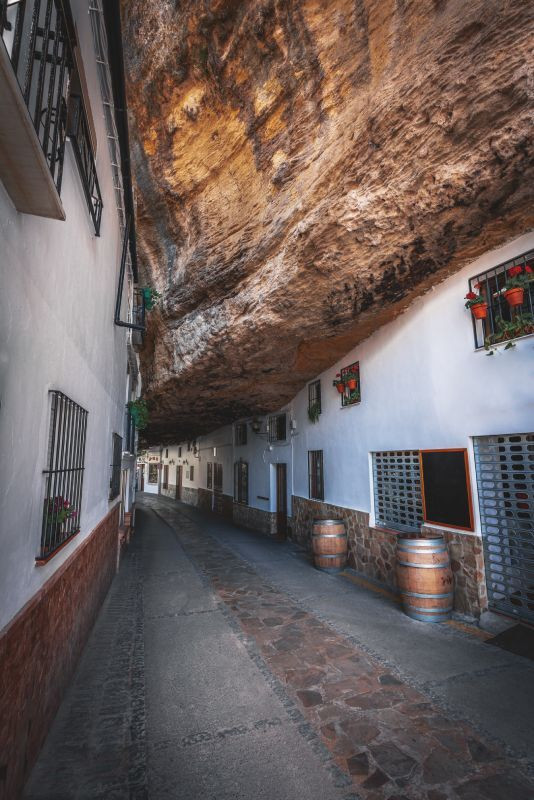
(40, 647)
(372, 551)
(255, 518)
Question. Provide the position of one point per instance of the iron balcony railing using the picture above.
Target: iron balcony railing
(129, 432)
(78, 130)
(35, 36)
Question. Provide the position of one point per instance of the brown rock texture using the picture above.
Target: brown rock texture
(303, 168)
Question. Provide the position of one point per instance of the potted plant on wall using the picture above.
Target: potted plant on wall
(339, 383)
(477, 304)
(139, 411)
(313, 412)
(517, 280)
(351, 380)
(150, 296)
(508, 330)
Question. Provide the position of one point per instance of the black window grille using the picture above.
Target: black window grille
(277, 428)
(397, 490)
(314, 397)
(315, 474)
(350, 377)
(218, 478)
(115, 479)
(37, 41)
(79, 132)
(63, 474)
(241, 482)
(152, 473)
(491, 286)
(241, 434)
(129, 431)
(209, 475)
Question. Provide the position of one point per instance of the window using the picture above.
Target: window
(397, 490)
(165, 484)
(152, 473)
(63, 474)
(190, 473)
(115, 479)
(315, 475)
(167, 453)
(350, 378)
(209, 475)
(314, 400)
(218, 478)
(241, 482)
(277, 428)
(502, 321)
(179, 452)
(241, 434)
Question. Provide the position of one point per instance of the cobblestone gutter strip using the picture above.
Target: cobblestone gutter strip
(381, 732)
(105, 706)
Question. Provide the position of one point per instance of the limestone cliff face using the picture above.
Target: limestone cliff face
(302, 167)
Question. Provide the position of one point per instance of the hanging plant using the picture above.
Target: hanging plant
(139, 411)
(314, 411)
(517, 280)
(351, 380)
(477, 304)
(150, 296)
(507, 331)
(339, 383)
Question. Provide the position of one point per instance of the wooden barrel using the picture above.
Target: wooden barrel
(425, 578)
(329, 542)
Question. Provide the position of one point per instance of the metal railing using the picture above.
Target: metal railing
(35, 35)
(78, 130)
(63, 474)
(491, 286)
(129, 432)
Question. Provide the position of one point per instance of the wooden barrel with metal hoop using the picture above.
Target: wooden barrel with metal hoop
(425, 578)
(329, 542)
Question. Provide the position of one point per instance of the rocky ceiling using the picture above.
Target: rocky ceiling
(303, 168)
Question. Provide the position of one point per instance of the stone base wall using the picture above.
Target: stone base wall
(371, 550)
(170, 491)
(40, 647)
(255, 518)
(190, 495)
(205, 499)
(223, 504)
(467, 562)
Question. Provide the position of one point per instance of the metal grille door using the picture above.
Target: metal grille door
(505, 479)
(397, 490)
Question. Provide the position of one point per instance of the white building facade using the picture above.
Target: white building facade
(67, 370)
(424, 382)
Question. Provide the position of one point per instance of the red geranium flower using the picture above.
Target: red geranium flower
(528, 268)
(470, 296)
(513, 271)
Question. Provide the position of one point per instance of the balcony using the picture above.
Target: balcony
(35, 66)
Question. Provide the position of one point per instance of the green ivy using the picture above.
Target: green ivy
(139, 411)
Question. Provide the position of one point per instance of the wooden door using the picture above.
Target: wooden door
(281, 501)
(178, 482)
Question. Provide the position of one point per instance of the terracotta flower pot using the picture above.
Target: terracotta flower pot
(340, 387)
(480, 310)
(515, 296)
(352, 383)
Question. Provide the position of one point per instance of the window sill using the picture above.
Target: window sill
(40, 562)
(350, 405)
(498, 345)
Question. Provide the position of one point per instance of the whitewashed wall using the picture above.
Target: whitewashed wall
(57, 295)
(423, 386)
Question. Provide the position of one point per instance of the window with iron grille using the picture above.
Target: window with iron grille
(241, 482)
(209, 475)
(315, 475)
(397, 490)
(217, 477)
(152, 473)
(63, 473)
(277, 428)
(179, 452)
(314, 398)
(115, 479)
(503, 322)
(350, 377)
(241, 434)
(129, 431)
(167, 452)
(165, 484)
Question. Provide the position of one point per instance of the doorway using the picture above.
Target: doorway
(281, 501)
(178, 495)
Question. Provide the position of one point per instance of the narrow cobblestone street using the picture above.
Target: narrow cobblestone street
(223, 666)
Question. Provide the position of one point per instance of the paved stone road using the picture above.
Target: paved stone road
(251, 695)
